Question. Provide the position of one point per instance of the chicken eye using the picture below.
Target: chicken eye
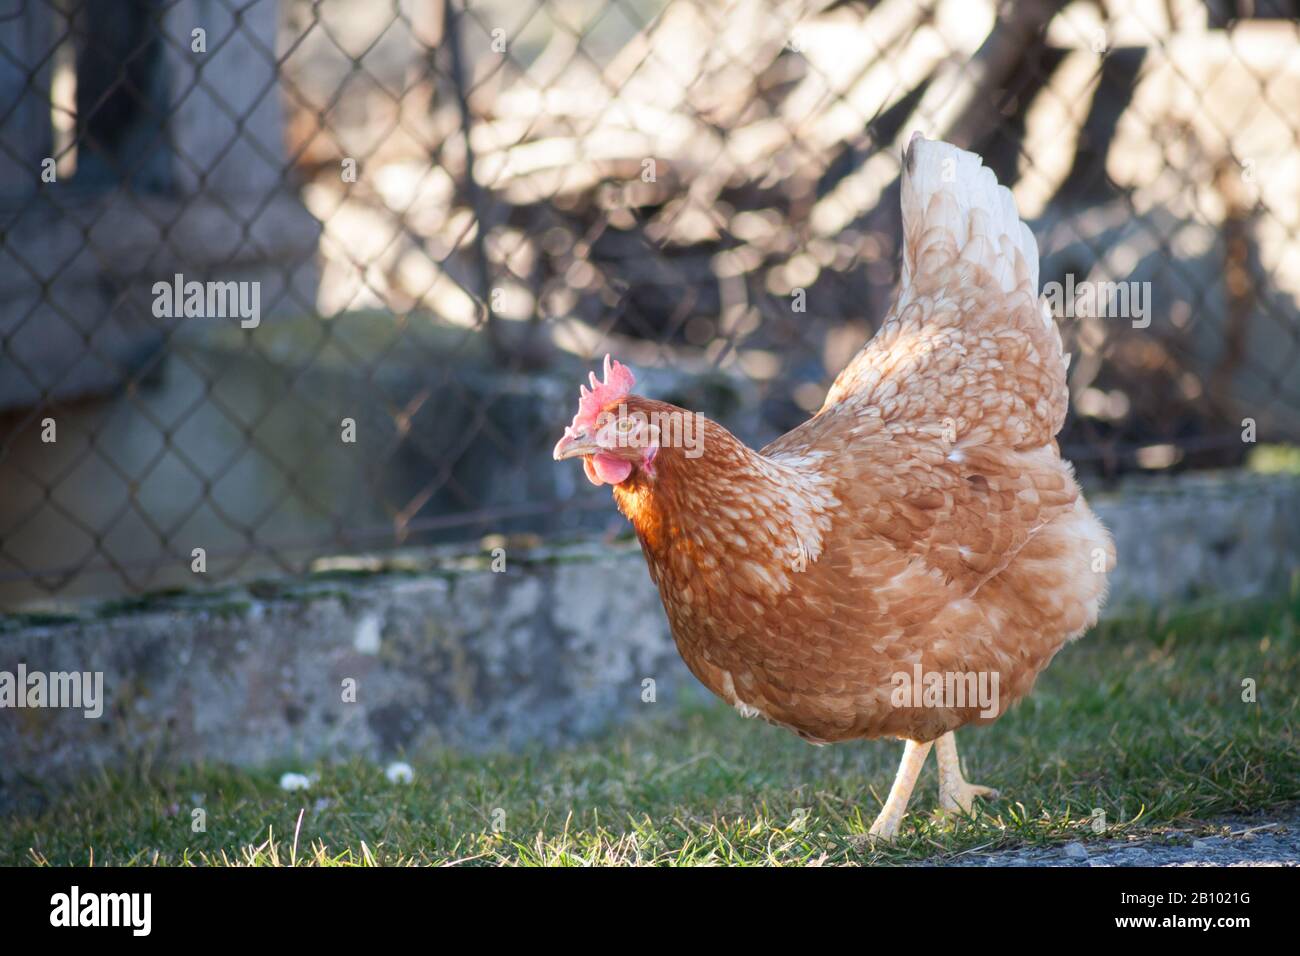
(625, 425)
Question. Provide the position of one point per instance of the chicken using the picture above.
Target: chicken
(908, 560)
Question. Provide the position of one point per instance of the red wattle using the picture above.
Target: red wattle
(606, 469)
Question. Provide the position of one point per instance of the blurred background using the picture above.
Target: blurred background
(453, 208)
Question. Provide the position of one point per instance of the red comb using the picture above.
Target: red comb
(617, 384)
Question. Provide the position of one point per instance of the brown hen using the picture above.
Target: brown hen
(908, 560)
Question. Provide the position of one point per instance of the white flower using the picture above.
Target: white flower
(399, 772)
(294, 781)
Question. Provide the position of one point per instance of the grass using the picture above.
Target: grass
(1275, 459)
(1143, 720)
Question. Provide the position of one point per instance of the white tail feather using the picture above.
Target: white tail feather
(950, 187)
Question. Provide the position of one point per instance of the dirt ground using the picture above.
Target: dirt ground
(1226, 843)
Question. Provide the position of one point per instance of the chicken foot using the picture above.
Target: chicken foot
(891, 814)
(955, 794)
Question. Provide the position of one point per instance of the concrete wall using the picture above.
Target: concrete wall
(447, 652)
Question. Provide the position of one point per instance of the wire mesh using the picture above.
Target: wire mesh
(280, 279)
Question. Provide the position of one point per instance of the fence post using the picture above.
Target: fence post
(452, 38)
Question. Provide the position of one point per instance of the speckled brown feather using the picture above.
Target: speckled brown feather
(924, 515)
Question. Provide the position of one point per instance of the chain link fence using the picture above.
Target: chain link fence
(280, 280)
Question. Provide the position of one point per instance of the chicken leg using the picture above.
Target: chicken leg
(955, 794)
(886, 825)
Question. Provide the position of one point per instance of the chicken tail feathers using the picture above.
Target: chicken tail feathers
(948, 193)
(968, 348)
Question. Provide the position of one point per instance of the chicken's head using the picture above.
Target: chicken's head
(609, 433)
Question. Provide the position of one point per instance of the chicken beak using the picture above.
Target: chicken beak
(574, 446)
